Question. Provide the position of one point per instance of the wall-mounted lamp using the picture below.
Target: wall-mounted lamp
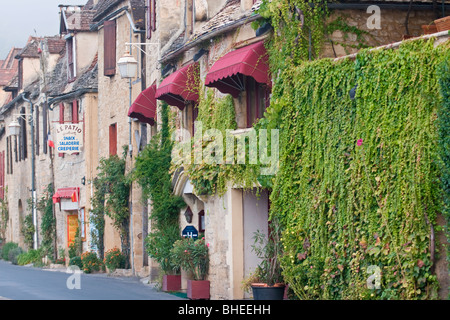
(188, 214)
(127, 66)
(14, 128)
(167, 69)
(263, 29)
(199, 54)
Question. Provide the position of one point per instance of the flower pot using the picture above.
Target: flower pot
(171, 283)
(198, 289)
(264, 292)
(442, 24)
(429, 29)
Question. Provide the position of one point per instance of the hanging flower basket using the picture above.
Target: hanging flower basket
(442, 24)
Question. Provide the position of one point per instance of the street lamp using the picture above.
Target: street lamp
(127, 66)
(14, 128)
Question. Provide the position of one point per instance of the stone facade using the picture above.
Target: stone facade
(177, 31)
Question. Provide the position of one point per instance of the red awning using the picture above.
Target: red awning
(66, 193)
(181, 86)
(144, 107)
(227, 74)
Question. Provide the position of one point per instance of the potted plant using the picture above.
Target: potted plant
(159, 245)
(267, 281)
(193, 257)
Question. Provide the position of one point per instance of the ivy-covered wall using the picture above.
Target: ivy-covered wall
(360, 184)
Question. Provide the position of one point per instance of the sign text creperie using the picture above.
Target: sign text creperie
(69, 138)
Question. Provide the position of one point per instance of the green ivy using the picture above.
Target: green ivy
(358, 184)
(152, 172)
(112, 198)
(48, 223)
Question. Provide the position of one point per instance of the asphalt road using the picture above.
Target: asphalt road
(28, 283)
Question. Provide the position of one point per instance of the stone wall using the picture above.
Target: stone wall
(392, 29)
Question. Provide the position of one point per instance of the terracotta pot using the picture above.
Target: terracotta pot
(198, 289)
(442, 24)
(171, 282)
(429, 29)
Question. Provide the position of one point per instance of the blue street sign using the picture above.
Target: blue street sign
(190, 232)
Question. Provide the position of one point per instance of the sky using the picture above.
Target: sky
(20, 19)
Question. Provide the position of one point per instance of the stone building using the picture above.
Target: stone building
(74, 79)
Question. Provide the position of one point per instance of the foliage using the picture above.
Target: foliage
(443, 121)
(4, 216)
(113, 188)
(268, 250)
(32, 256)
(152, 172)
(76, 247)
(192, 256)
(90, 262)
(213, 173)
(6, 248)
(28, 230)
(97, 216)
(299, 30)
(14, 254)
(48, 223)
(114, 259)
(76, 261)
(358, 184)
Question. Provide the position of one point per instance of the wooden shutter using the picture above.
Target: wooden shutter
(2, 175)
(109, 48)
(61, 121)
(75, 114)
(149, 19)
(44, 129)
(70, 60)
(37, 131)
(153, 15)
(113, 139)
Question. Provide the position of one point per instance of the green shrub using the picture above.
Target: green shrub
(76, 261)
(6, 248)
(32, 256)
(114, 259)
(14, 254)
(90, 262)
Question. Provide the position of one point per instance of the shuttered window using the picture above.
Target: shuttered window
(61, 121)
(113, 139)
(109, 48)
(70, 60)
(151, 17)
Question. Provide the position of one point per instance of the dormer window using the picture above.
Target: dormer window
(70, 51)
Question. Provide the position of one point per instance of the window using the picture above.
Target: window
(61, 121)
(23, 147)
(37, 131)
(201, 221)
(109, 44)
(151, 17)
(44, 129)
(257, 100)
(70, 47)
(113, 139)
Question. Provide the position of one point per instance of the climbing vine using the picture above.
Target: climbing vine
(152, 172)
(358, 187)
(48, 223)
(112, 198)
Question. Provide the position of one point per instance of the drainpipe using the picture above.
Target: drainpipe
(33, 175)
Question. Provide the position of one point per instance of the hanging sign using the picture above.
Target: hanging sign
(69, 138)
